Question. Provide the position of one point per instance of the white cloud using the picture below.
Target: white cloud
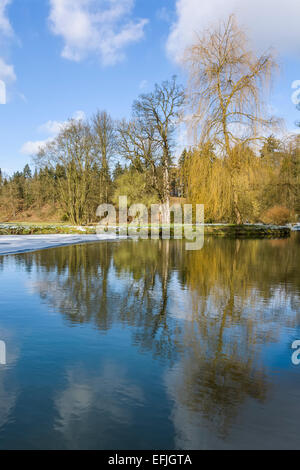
(52, 128)
(5, 26)
(269, 23)
(33, 147)
(7, 72)
(101, 27)
(101, 393)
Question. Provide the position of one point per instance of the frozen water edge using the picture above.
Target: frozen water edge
(13, 244)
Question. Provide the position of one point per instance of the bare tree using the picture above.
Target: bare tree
(137, 144)
(72, 151)
(103, 128)
(148, 138)
(225, 93)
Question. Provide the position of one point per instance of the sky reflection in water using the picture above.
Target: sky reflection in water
(142, 345)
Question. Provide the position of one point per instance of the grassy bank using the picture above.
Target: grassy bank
(226, 231)
(248, 231)
(43, 229)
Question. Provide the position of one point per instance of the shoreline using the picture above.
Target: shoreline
(22, 238)
(245, 230)
(19, 244)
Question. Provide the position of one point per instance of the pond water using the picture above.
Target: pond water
(143, 345)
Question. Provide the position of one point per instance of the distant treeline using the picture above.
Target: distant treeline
(42, 193)
(232, 168)
(269, 189)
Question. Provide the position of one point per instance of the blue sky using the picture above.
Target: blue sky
(63, 58)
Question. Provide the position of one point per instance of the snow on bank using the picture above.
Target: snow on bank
(12, 244)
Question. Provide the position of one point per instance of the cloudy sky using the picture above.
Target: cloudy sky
(66, 58)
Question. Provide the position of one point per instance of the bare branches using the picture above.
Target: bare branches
(105, 137)
(147, 141)
(227, 82)
(82, 151)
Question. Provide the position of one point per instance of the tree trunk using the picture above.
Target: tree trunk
(166, 203)
(237, 213)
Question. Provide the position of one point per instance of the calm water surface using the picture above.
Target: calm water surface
(142, 345)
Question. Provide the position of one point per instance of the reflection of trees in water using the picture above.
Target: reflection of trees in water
(148, 266)
(209, 393)
(241, 294)
(109, 283)
(74, 281)
(250, 283)
(215, 376)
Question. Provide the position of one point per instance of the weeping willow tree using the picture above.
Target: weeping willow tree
(227, 83)
(209, 180)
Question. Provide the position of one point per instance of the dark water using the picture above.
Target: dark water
(142, 345)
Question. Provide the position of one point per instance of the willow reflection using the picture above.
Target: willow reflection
(238, 295)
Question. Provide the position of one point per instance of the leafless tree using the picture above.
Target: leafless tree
(104, 132)
(72, 150)
(226, 89)
(148, 138)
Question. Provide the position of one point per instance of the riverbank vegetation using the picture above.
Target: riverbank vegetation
(215, 230)
(236, 165)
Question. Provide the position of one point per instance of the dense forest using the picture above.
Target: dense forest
(237, 167)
